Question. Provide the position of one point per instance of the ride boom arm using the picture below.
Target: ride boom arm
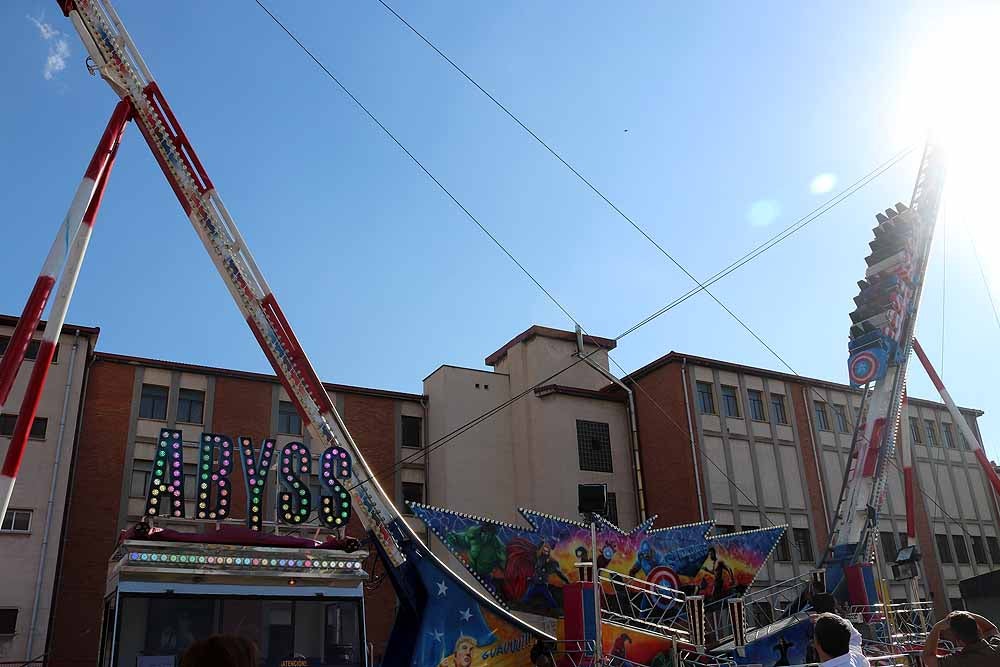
(115, 56)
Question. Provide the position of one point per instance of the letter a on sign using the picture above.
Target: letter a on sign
(165, 496)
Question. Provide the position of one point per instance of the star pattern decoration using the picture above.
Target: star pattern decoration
(437, 635)
(466, 614)
(442, 588)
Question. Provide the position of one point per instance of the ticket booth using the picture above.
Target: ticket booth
(301, 606)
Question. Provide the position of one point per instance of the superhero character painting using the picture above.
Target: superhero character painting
(526, 568)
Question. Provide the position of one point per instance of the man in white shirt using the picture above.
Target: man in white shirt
(837, 642)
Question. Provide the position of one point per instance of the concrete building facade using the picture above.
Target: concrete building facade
(748, 447)
(31, 532)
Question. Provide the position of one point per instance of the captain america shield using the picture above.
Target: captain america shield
(864, 367)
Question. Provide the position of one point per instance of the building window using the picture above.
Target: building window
(611, 512)
(16, 521)
(724, 529)
(949, 438)
(593, 440)
(822, 421)
(915, 431)
(38, 427)
(778, 409)
(8, 621)
(962, 441)
(289, 421)
(138, 484)
(944, 548)
(153, 402)
(191, 406)
(706, 399)
(782, 551)
(730, 401)
(804, 544)
(931, 433)
(994, 547)
(32, 351)
(978, 550)
(756, 400)
(412, 431)
(413, 492)
(888, 546)
(961, 549)
(840, 416)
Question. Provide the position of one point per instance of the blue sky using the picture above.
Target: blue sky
(731, 111)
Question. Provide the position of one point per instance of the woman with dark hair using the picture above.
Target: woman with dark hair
(221, 651)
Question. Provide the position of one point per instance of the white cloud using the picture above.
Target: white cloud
(45, 29)
(822, 184)
(763, 212)
(56, 62)
(58, 53)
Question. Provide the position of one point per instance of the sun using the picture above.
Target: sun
(950, 91)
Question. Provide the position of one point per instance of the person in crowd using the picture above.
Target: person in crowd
(977, 637)
(221, 651)
(837, 642)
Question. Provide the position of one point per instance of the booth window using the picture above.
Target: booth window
(191, 406)
(289, 421)
(153, 402)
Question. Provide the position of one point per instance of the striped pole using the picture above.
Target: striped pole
(956, 416)
(94, 182)
(11, 361)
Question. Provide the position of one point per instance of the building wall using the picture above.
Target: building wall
(113, 472)
(29, 557)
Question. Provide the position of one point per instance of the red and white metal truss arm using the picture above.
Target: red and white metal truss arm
(68, 249)
(117, 59)
(906, 449)
(958, 419)
(866, 484)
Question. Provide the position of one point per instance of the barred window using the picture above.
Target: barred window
(949, 438)
(822, 421)
(804, 544)
(978, 550)
(191, 406)
(778, 409)
(153, 402)
(730, 401)
(931, 433)
(944, 548)
(756, 400)
(593, 441)
(706, 398)
(782, 551)
(289, 421)
(841, 416)
(961, 549)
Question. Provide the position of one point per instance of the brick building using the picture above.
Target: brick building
(129, 399)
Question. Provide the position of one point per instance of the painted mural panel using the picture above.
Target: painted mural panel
(526, 569)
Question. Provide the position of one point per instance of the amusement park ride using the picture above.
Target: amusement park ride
(661, 595)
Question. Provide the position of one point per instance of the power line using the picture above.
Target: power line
(797, 226)
(417, 162)
(986, 283)
(702, 287)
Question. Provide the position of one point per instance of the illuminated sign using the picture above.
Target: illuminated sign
(216, 458)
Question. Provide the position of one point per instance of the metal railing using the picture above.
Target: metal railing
(639, 604)
(892, 625)
(760, 608)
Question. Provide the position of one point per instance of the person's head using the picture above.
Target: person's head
(963, 625)
(711, 554)
(832, 636)
(545, 549)
(463, 651)
(221, 651)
